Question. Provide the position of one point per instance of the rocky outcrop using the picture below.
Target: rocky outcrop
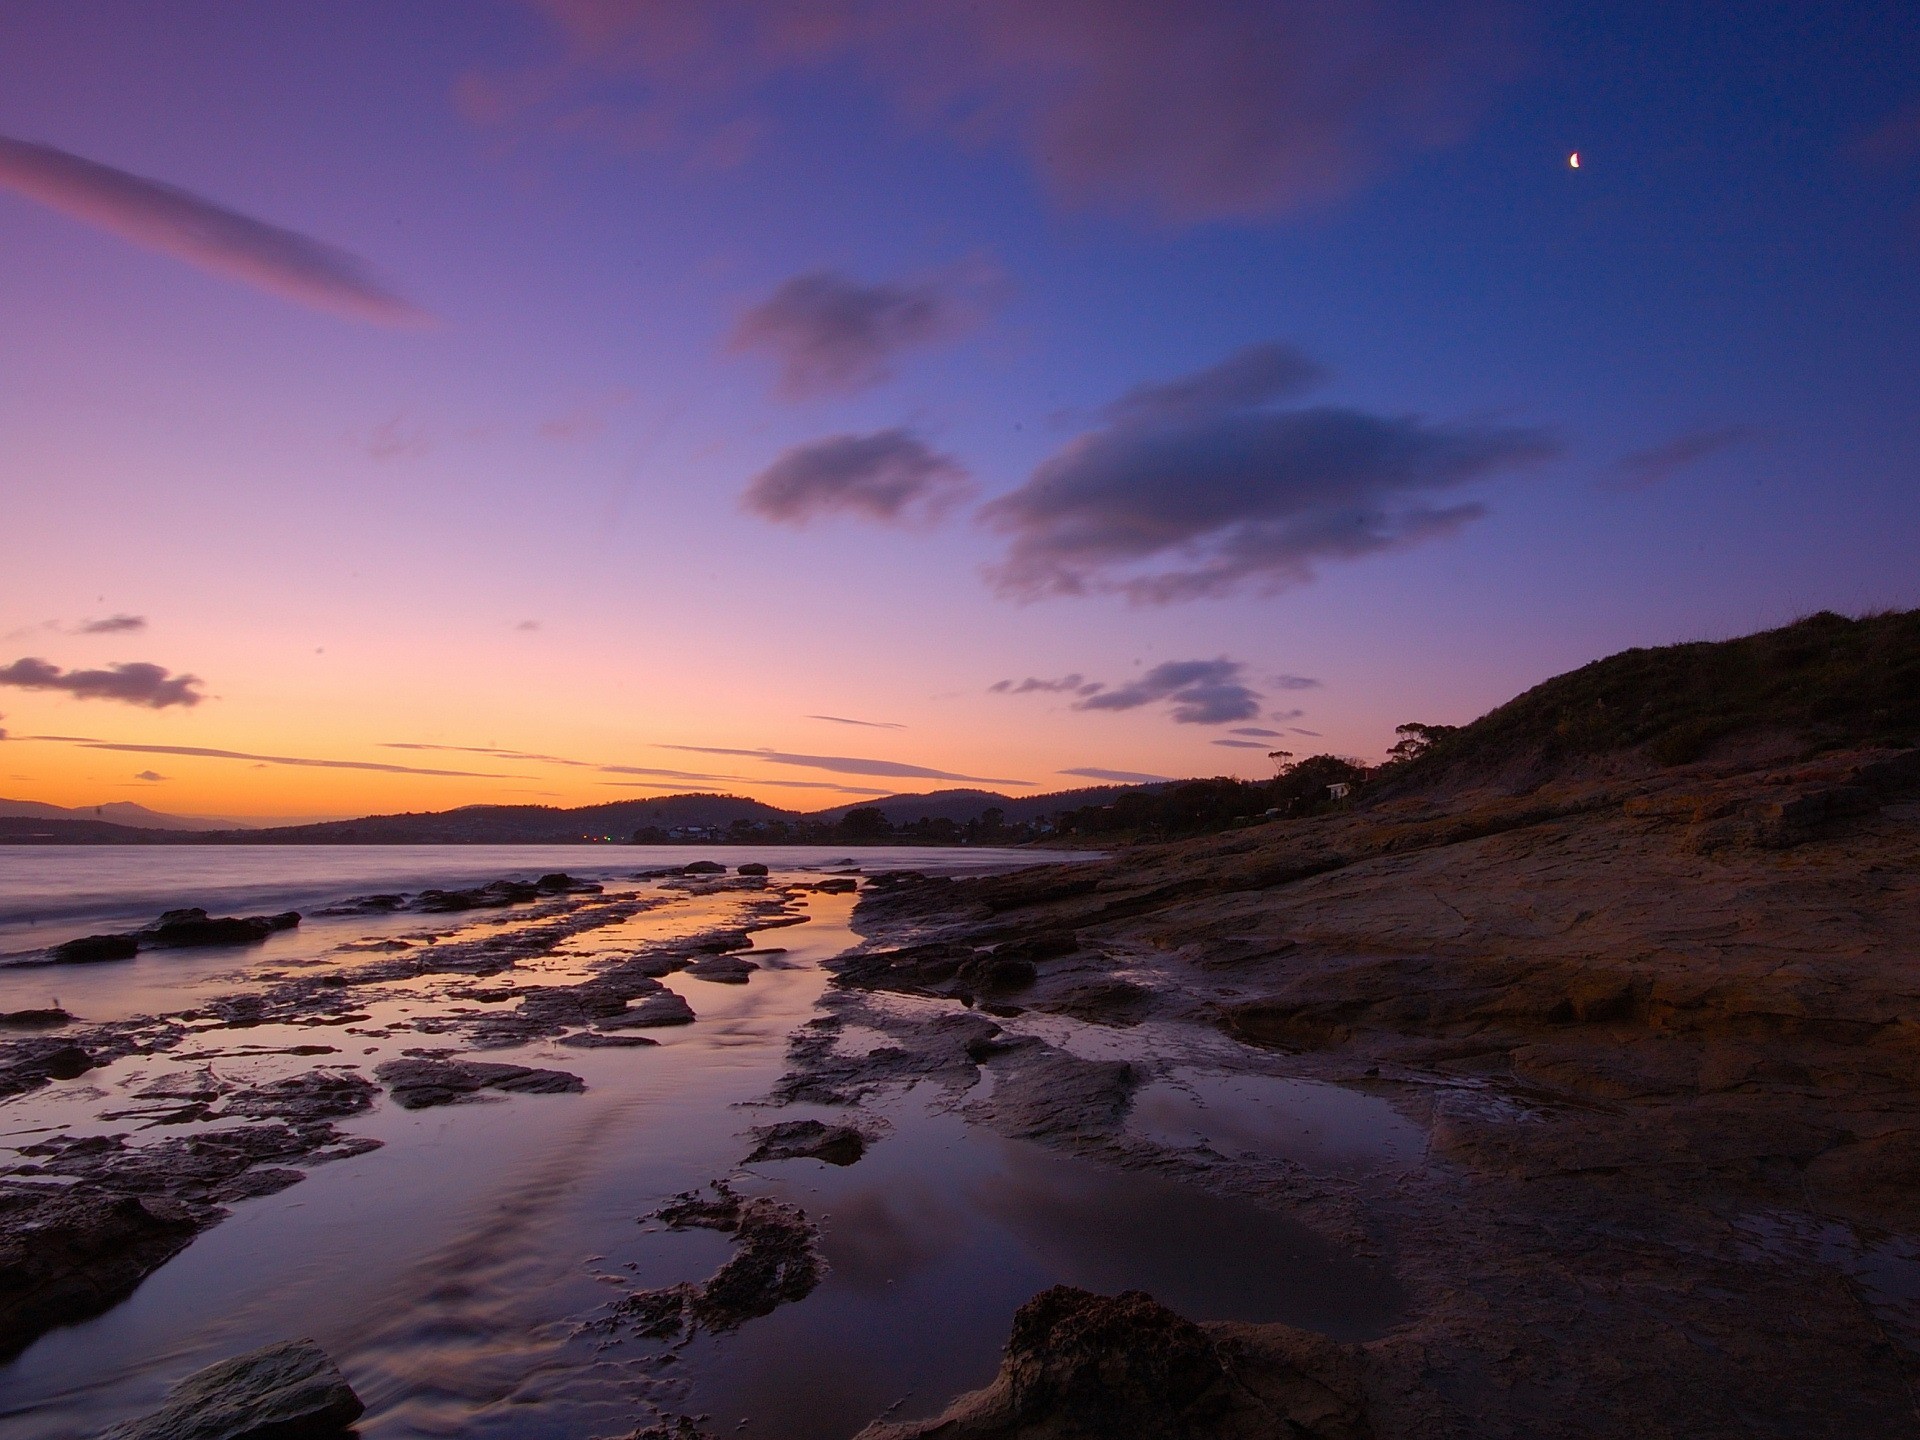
(810, 1140)
(289, 1391)
(776, 1260)
(1090, 1367)
(420, 1082)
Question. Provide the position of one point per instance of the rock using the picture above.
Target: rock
(588, 1040)
(775, 1260)
(808, 1139)
(193, 926)
(49, 1018)
(561, 883)
(837, 885)
(752, 867)
(1083, 1365)
(722, 969)
(90, 949)
(367, 905)
(416, 1084)
(657, 1010)
(703, 867)
(68, 1255)
(289, 1391)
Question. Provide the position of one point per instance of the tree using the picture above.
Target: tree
(1416, 739)
(866, 824)
(1282, 761)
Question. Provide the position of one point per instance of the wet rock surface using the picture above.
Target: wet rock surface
(289, 1391)
(417, 1084)
(1085, 1365)
(1656, 1023)
(84, 1218)
(776, 1260)
(809, 1140)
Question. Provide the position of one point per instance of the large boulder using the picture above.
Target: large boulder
(1080, 1366)
(289, 1391)
(91, 949)
(417, 1083)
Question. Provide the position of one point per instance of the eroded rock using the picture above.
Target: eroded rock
(289, 1391)
(418, 1083)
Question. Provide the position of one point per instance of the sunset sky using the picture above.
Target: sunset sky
(571, 401)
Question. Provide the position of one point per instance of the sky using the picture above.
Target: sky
(410, 405)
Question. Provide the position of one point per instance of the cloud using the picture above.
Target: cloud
(1255, 731)
(136, 683)
(1121, 777)
(831, 334)
(834, 785)
(112, 625)
(847, 765)
(1076, 684)
(1314, 733)
(864, 724)
(149, 775)
(178, 223)
(1242, 744)
(890, 476)
(264, 760)
(1197, 489)
(1199, 692)
(1646, 468)
(1293, 682)
(528, 625)
(1208, 110)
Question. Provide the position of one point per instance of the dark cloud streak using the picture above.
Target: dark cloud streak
(178, 223)
(890, 476)
(831, 334)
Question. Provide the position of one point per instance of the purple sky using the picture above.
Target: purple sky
(405, 406)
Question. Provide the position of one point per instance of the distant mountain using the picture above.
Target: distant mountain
(28, 822)
(523, 824)
(961, 806)
(116, 812)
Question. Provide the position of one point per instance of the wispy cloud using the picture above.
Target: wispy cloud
(135, 683)
(1197, 692)
(1070, 684)
(178, 223)
(848, 764)
(1255, 731)
(1199, 488)
(397, 439)
(864, 724)
(200, 752)
(1646, 468)
(831, 334)
(1118, 777)
(149, 775)
(891, 476)
(587, 419)
(836, 786)
(1293, 682)
(112, 625)
(1206, 110)
(1242, 744)
(662, 779)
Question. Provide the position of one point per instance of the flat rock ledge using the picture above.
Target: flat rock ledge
(1079, 1366)
(289, 1391)
(416, 1084)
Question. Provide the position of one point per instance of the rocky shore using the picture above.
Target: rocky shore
(1660, 1025)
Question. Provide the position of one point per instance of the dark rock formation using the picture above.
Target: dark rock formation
(1090, 1367)
(722, 969)
(50, 1018)
(752, 867)
(193, 926)
(418, 1083)
(704, 867)
(775, 1260)
(808, 1139)
(289, 1391)
(90, 949)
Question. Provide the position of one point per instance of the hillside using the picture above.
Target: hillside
(1819, 684)
(1636, 956)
